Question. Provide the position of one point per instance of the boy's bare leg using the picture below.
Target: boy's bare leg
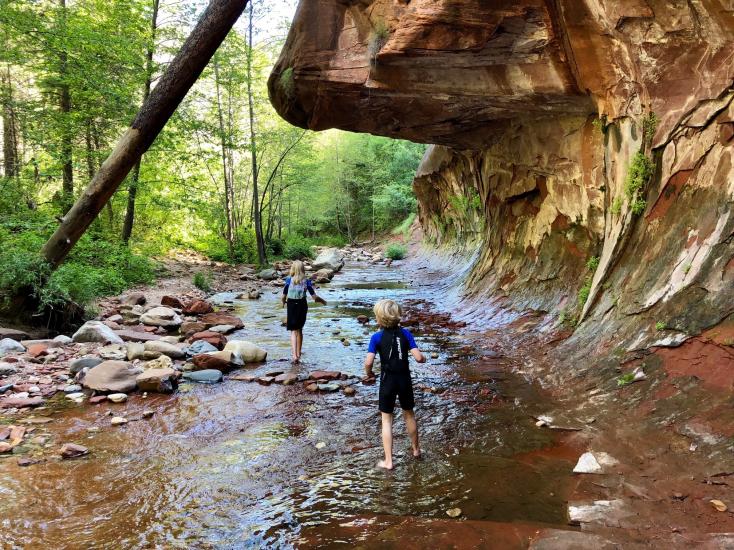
(300, 343)
(412, 427)
(294, 345)
(386, 441)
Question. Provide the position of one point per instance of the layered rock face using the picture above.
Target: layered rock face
(584, 148)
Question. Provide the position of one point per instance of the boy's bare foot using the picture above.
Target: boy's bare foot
(417, 454)
(385, 464)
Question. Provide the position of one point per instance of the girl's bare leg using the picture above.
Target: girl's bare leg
(294, 345)
(299, 344)
(386, 442)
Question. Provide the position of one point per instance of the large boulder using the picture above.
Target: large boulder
(198, 307)
(164, 348)
(13, 334)
(161, 317)
(8, 345)
(223, 361)
(158, 380)
(6, 369)
(331, 258)
(96, 331)
(321, 276)
(134, 299)
(268, 274)
(246, 351)
(172, 301)
(112, 377)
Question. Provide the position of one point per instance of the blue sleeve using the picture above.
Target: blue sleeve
(411, 339)
(374, 342)
(309, 287)
(287, 284)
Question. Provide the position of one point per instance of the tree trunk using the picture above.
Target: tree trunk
(173, 86)
(132, 191)
(225, 169)
(253, 151)
(10, 131)
(67, 167)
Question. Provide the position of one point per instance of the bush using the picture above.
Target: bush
(297, 247)
(396, 251)
(276, 247)
(203, 281)
(638, 175)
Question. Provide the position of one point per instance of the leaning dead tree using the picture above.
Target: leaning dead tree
(162, 102)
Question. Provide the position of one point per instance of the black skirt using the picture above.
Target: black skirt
(297, 310)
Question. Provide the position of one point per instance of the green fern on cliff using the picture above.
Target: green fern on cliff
(377, 40)
(287, 82)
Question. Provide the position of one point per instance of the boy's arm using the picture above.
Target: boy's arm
(417, 355)
(369, 360)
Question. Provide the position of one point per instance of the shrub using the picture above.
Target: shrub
(617, 206)
(396, 251)
(649, 125)
(639, 174)
(659, 326)
(584, 292)
(592, 263)
(275, 247)
(297, 247)
(203, 281)
(638, 207)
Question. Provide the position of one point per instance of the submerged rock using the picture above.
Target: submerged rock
(208, 376)
(96, 331)
(72, 450)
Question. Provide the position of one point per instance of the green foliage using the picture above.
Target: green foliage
(687, 267)
(638, 175)
(584, 292)
(660, 325)
(617, 206)
(625, 379)
(287, 82)
(377, 40)
(404, 227)
(649, 125)
(297, 248)
(396, 251)
(203, 281)
(592, 263)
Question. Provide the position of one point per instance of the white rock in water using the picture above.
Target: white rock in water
(75, 396)
(96, 331)
(161, 317)
(597, 511)
(62, 339)
(246, 351)
(118, 421)
(594, 463)
(117, 397)
(174, 352)
(331, 258)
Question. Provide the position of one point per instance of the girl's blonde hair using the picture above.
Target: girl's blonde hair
(388, 313)
(298, 273)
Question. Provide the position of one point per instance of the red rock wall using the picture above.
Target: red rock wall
(537, 109)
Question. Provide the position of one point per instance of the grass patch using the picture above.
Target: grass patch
(625, 379)
(639, 174)
(617, 206)
(287, 83)
(378, 39)
(404, 227)
(396, 251)
(203, 281)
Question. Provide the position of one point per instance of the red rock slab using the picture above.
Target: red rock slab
(136, 336)
(244, 377)
(205, 361)
(20, 402)
(37, 350)
(72, 450)
(172, 301)
(711, 363)
(189, 328)
(219, 318)
(214, 338)
(198, 307)
(325, 375)
(97, 399)
(265, 380)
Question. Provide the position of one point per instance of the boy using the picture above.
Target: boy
(393, 344)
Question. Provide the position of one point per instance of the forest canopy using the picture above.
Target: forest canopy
(73, 74)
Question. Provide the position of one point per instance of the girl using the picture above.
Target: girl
(294, 295)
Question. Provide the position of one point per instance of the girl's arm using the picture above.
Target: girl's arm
(316, 297)
(417, 355)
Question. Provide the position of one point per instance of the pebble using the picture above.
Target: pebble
(117, 397)
(453, 512)
(349, 390)
(328, 387)
(74, 396)
(93, 429)
(72, 450)
(148, 414)
(118, 420)
(434, 355)
(320, 445)
(74, 388)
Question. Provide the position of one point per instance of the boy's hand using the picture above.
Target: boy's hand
(369, 379)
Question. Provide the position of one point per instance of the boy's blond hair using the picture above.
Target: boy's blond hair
(388, 313)
(298, 273)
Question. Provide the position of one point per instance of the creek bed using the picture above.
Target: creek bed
(239, 465)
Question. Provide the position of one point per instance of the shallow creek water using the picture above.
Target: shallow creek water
(236, 465)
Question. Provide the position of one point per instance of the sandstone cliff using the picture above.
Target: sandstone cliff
(583, 148)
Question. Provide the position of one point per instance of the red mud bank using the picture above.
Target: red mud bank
(579, 186)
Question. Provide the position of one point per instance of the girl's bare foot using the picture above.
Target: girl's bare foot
(417, 454)
(385, 464)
